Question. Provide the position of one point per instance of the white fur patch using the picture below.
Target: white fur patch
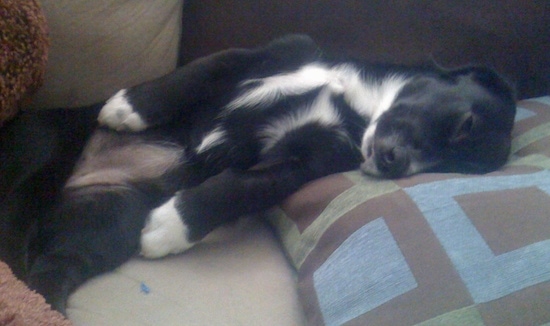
(164, 232)
(369, 167)
(118, 114)
(366, 141)
(272, 88)
(368, 97)
(214, 138)
(320, 111)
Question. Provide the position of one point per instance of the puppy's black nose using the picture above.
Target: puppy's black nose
(392, 161)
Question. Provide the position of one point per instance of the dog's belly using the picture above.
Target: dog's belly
(120, 159)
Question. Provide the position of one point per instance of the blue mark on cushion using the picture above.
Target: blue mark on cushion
(487, 276)
(144, 288)
(367, 270)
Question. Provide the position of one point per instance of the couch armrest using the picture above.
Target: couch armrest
(99, 47)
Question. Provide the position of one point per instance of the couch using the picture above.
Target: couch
(432, 249)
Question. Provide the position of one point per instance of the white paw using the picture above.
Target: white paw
(118, 114)
(164, 232)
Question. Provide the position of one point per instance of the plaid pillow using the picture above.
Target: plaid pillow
(431, 249)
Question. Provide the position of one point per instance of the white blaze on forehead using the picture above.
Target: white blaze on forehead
(321, 111)
(272, 88)
(369, 97)
(368, 138)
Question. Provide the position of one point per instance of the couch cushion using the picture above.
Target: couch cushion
(236, 276)
(431, 249)
(98, 47)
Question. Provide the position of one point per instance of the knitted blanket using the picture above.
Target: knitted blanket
(20, 306)
(23, 53)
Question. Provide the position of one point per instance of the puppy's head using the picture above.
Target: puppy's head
(454, 121)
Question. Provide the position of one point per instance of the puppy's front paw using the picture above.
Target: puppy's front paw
(119, 114)
(165, 232)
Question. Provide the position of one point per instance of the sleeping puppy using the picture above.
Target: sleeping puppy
(237, 132)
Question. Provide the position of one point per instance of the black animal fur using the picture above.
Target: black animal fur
(89, 222)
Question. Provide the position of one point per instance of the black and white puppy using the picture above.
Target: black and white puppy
(237, 132)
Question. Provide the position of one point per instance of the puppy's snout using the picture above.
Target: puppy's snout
(392, 160)
(369, 151)
(389, 156)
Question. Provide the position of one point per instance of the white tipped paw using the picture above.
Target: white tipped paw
(164, 232)
(118, 114)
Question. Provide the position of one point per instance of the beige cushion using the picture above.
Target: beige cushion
(98, 47)
(236, 276)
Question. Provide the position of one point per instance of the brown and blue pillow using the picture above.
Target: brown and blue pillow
(432, 249)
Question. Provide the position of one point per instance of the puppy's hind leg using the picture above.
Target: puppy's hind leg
(176, 94)
(193, 213)
(205, 81)
(96, 229)
(286, 166)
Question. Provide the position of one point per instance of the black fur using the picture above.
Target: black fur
(458, 120)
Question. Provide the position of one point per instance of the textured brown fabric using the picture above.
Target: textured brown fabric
(23, 53)
(20, 306)
(463, 249)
